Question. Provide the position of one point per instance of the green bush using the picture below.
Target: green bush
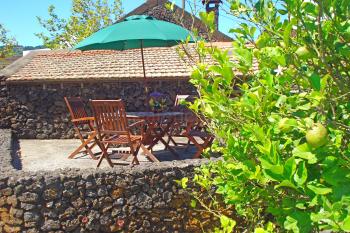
(282, 126)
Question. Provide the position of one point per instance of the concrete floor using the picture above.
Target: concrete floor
(48, 155)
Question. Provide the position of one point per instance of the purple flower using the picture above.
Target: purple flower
(156, 94)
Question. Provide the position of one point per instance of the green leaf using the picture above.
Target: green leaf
(275, 54)
(289, 167)
(282, 12)
(263, 40)
(309, 7)
(184, 182)
(245, 56)
(315, 81)
(208, 19)
(193, 203)
(259, 230)
(287, 32)
(208, 109)
(269, 80)
(317, 217)
(227, 223)
(336, 175)
(346, 224)
(300, 176)
(304, 53)
(286, 183)
(274, 173)
(291, 224)
(170, 6)
(300, 206)
(318, 188)
(303, 151)
(304, 107)
(303, 220)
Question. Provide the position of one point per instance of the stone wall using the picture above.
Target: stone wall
(119, 199)
(37, 111)
(6, 150)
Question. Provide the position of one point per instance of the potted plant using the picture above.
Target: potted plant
(157, 102)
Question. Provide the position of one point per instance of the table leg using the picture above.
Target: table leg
(161, 134)
(167, 146)
(149, 154)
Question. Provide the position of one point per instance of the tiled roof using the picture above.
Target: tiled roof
(160, 63)
(100, 65)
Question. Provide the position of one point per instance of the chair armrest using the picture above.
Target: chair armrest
(113, 132)
(83, 119)
(132, 117)
(140, 123)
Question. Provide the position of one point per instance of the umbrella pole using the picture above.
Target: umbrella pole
(143, 67)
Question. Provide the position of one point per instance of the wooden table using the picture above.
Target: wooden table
(158, 125)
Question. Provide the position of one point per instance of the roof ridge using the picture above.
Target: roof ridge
(153, 3)
(18, 64)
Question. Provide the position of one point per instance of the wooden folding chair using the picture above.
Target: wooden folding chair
(113, 129)
(196, 130)
(180, 125)
(83, 123)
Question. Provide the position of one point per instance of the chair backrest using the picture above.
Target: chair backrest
(76, 108)
(110, 115)
(178, 102)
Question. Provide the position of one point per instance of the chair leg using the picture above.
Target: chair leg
(94, 143)
(80, 147)
(104, 155)
(92, 146)
(84, 144)
(134, 152)
(198, 154)
(88, 150)
(197, 145)
(200, 147)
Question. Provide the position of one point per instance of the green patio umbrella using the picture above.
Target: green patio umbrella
(138, 31)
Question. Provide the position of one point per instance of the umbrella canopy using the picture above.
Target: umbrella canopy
(138, 31)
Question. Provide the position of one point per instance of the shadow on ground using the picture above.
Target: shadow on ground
(37, 155)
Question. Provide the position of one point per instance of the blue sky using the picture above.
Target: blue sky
(19, 16)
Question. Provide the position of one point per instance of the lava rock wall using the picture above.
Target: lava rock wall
(143, 198)
(39, 111)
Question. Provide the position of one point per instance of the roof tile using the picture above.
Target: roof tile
(95, 65)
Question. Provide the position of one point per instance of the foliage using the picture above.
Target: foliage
(88, 16)
(7, 43)
(273, 177)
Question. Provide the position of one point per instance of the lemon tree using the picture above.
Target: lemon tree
(278, 103)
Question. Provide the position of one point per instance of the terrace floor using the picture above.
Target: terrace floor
(47, 155)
